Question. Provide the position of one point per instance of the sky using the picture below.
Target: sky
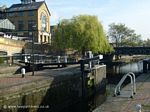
(135, 14)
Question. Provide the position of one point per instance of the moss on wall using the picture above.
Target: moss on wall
(52, 96)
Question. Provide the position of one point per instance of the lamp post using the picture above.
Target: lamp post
(33, 28)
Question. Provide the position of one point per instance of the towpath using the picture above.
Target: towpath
(124, 103)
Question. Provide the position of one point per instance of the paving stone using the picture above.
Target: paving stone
(123, 103)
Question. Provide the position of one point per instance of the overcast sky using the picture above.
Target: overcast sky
(134, 13)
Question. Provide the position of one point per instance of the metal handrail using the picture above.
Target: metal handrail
(133, 84)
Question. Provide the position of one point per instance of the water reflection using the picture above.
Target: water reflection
(135, 67)
(115, 72)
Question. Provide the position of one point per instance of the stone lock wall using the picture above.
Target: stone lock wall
(45, 96)
(96, 85)
(57, 95)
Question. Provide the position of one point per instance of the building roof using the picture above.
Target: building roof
(25, 7)
(6, 24)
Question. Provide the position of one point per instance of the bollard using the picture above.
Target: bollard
(138, 108)
(58, 59)
(29, 58)
(10, 60)
(25, 59)
(10, 64)
(65, 59)
(23, 71)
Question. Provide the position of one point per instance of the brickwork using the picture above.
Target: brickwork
(15, 46)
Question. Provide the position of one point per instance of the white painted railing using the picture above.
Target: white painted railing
(133, 84)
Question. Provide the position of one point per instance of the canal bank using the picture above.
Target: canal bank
(132, 58)
(53, 90)
(123, 103)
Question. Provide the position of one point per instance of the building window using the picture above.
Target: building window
(43, 22)
(20, 25)
(31, 13)
(44, 38)
(41, 38)
(11, 14)
(31, 23)
(1, 15)
(20, 13)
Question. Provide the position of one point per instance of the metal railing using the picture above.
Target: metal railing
(133, 84)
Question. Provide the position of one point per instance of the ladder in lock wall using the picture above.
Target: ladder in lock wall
(133, 84)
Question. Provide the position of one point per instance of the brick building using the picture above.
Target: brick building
(31, 19)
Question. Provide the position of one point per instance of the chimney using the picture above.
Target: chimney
(27, 1)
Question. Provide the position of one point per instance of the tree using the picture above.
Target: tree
(82, 33)
(123, 36)
(147, 43)
(134, 40)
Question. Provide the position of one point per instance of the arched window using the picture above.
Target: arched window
(43, 22)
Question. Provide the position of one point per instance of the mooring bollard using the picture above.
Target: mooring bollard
(23, 71)
(58, 59)
(65, 59)
(25, 59)
(138, 108)
(10, 64)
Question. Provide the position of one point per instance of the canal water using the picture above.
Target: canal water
(116, 72)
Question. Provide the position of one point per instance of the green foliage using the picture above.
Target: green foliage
(134, 40)
(123, 36)
(82, 33)
(147, 43)
(1, 60)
